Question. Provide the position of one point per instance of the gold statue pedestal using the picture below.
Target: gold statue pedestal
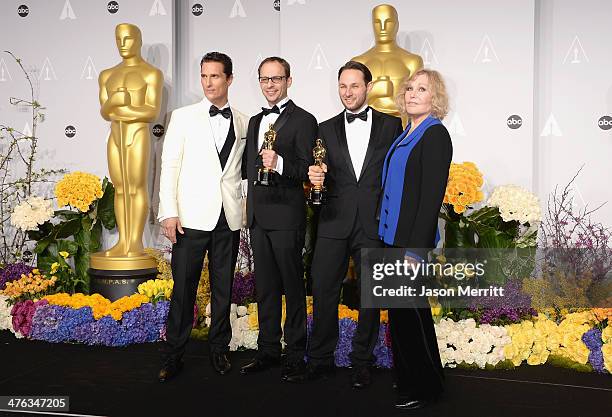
(118, 276)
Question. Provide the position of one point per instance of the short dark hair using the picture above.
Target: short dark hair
(354, 65)
(228, 67)
(278, 59)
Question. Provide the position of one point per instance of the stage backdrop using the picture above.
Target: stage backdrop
(530, 92)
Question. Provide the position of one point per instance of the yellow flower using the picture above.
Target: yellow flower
(607, 354)
(54, 267)
(78, 190)
(463, 187)
(64, 254)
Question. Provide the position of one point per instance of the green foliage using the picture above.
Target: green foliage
(78, 234)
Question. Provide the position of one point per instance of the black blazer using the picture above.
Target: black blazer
(354, 194)
(283, 206)
(425, 180)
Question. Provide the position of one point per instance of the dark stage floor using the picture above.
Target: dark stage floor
(121, 382)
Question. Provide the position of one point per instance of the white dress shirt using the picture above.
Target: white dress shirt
(266, 121)
(357, 137)
(220, 127)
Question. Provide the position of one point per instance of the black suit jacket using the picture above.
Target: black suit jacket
(352, 193)
(282, 206)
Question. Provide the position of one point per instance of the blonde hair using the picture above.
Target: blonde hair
(439, 97)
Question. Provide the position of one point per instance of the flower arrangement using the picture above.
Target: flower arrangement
(606, 349)
(13, 272)
(78, 231)
(78, 190)
(31, 213)
(6, 321)
(463, 188)
(464, 342)
(514, 307)
(156, 289)
(99, 305)
(496, 224)
(55, 323)
(20, 177)
(164, 270)
(31, 286)
(516, 203)
(23, 313)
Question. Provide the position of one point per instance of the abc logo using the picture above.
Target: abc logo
(23, 10)
(514, 121)
(197, 9)
(112, 7)
(277, 5)
(605, 123)
(158, 130)
(70, 131)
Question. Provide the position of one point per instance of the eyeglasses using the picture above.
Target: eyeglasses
(277, 79)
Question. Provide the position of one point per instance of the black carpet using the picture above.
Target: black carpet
(122, 382)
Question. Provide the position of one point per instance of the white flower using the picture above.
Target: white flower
(31, 213)
(6, 321)
(249, 339)
(241, 311)
(207, 311)
(516, 203)
(464, 341)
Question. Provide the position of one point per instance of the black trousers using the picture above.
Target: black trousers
(329, 266)
(188, 253)
(278, 268)
(416, 358)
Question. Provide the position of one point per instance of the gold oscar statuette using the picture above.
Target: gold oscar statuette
(130, 98)
(264, 175)
(318, 193)
(387, 61)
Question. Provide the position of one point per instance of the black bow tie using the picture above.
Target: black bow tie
(352, 116)
(214, 110)
(266, 111)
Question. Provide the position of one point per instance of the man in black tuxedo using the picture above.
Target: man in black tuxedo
(276, 217)
(357, 141)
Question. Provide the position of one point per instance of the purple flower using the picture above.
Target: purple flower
(592, 339)
(347, 328)
(513, 307)
(13, 272)
(23, 313)
(57, 324)
(382, 351)
(243, 287)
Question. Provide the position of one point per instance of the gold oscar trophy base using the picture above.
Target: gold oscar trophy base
(118, 276)
(99, 260)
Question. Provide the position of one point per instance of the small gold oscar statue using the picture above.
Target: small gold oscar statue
(318, 193)
(264, 175)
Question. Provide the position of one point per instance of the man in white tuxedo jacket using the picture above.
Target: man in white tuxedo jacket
(200, 210)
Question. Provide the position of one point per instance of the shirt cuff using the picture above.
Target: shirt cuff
(245, 188)
(279, 165)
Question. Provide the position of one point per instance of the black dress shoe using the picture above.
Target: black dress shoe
(258, 365)
(294, 371)
(361, 377)
(220, 362)
(316, 372)
(169, 370)
(407, 403)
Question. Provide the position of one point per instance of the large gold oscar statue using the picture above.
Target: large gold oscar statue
(388, 62)
(130, 98)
